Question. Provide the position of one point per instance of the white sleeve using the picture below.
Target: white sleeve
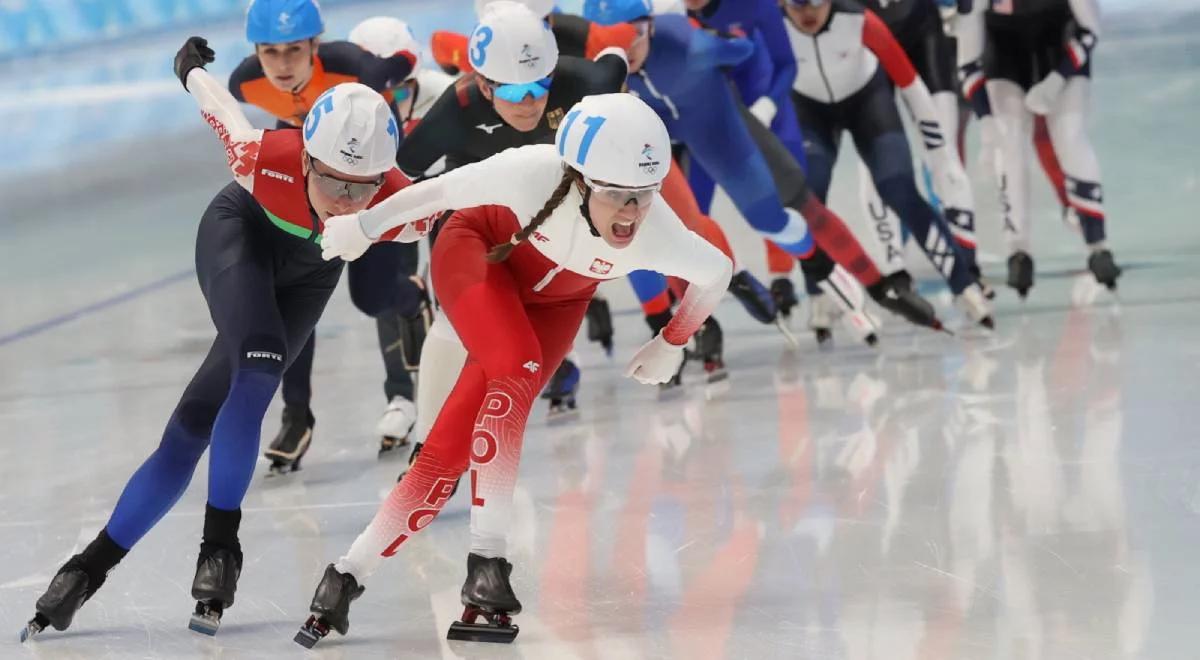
(223, 113)
(679, 252)
(520, 178)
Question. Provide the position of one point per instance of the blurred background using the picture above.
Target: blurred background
(98, 142)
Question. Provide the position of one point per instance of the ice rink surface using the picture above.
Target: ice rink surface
(1030, 493)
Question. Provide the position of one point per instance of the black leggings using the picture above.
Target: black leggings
(265, 291)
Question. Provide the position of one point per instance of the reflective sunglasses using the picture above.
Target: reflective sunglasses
(332, 186)
(515, 93)
(619, 197)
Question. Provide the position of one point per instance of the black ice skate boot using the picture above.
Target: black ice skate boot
(710, 348)
(217, 569)
(560, 391)
(600, 325)
(217, 572)
(292, 442)
(751, 293)
(1106, 271)
(896, 294)
(784, 294)
(487, 593)
(1020, 272)
(330, 607)
(76, 582)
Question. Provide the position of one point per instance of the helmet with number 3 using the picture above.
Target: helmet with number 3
(511, 45)
(615, 139)
(351, 130)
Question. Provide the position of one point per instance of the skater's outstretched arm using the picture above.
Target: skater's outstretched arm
(220, 110)
(690, 258)
(515, 178)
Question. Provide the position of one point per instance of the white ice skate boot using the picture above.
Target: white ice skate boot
(976, 306)
(396, 424)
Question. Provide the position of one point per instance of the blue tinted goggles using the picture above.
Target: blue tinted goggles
(517, 93)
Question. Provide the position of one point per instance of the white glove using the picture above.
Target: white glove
(1043, 96)
(343, 237)
(657, 361)
(764, 110)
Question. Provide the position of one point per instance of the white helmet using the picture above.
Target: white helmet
(541, 8)
(385, 36)
(617, 139)
(351, 130)
(511, 45)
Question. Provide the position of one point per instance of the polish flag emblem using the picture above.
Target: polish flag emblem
(601, 267)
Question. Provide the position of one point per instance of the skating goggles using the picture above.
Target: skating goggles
(806, 3)
(334, 187)
(515, 93)
(619, 197)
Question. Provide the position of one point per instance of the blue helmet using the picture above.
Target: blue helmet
(281, 21)
(611, 12)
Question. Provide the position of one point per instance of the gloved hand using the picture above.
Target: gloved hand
(1042, 97)
(194, 54)
(343, 237)
(657, 361)
(764, 110)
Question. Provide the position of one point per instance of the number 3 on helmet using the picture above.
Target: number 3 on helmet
(616, 139)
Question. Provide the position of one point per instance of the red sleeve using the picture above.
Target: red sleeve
(878, 38)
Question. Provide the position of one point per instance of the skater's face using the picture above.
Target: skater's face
(523, 115)
(333, 193)
(287, 66)
(617, 211)
(696, 5)
(808, 17)
(639, 50)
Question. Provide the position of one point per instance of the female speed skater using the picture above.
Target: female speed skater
(515, 271)
(289, 69)
(265, 288)
(852, 61)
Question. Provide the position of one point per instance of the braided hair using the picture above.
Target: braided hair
(500, 252)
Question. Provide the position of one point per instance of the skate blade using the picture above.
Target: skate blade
(790, 338)
(205, 624)
(482, 632)
(35, 626)
(281, 469)
(389, 444)
(310, 633)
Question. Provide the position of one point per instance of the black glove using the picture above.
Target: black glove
(195, 53)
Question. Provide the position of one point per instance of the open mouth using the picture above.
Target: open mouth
(624, 231)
